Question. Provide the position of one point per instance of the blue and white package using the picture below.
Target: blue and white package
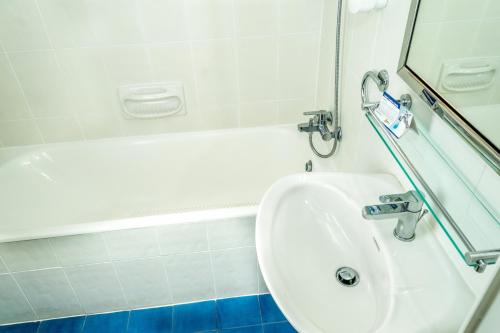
(395, 117)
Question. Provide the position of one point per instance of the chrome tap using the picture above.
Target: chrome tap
(318, 123)
(406, 207)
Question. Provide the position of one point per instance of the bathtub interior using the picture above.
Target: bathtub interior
(71, 184)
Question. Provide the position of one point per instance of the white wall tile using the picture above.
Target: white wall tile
(300, 15)
(217, 117)
(258, 68)
(259, 114)
(97, 287)
(237, 232)
(235, 271)
(28, 255)
(265, 10)
(298, 56)
(98, 126)
(326, 75)
(90, 90)
(210, 18)
(68, 22)
(190, 277)
(173, 63)
(19, 132)
(13, 103)
(22, 27)
(80, 249)
(163, 20)
(133, 243)
(13, 304)
(126, 65)
(60, 129)
(49, 292)
(144, 282)
(291, 111)
(215, 68)
(43, 83)
(182, 238)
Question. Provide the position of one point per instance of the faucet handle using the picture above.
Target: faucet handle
(315, 113)
(321, 114)
(410, 196)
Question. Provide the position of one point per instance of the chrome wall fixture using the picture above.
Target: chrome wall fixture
(478, 259)
(381, 79)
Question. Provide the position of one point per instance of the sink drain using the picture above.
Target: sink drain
(347, 276)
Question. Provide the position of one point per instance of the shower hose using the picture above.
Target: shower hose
(337, 131)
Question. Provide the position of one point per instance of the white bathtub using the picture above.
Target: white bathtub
(85, 187)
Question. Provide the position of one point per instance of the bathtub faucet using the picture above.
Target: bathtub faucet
(406, 207)
(319, 123)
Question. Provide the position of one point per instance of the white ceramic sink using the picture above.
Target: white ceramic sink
(310, 225)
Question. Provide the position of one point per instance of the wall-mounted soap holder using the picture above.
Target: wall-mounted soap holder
(152, 100)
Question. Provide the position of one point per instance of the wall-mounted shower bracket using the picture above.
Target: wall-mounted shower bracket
(381, 79)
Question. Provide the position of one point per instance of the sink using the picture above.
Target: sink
(330, 270)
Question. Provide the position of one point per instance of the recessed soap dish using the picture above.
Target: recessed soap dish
(152, 100)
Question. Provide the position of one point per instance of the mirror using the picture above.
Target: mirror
(451, 57)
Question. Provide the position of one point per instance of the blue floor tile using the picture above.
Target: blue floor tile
(20, 328)
(65, 325)
(151, 320)
(107, 323)
(194, 317)
(279, 328)
(249, 329)
(270, 311)
(238, 312)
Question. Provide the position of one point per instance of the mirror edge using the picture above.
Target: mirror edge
(439, 105)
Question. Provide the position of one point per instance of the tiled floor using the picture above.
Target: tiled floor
(250, 314)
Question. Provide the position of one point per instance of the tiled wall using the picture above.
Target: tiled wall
(242, 63)
(128, 269)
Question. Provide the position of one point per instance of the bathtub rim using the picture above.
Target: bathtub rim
(194, 216)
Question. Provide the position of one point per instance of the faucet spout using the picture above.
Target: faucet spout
(406, 207)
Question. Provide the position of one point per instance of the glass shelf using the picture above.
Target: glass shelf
(472, 226)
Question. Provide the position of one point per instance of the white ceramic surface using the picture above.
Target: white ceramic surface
(73, 188)
(309, 225)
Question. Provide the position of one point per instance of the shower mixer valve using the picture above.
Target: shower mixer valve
(320, 123)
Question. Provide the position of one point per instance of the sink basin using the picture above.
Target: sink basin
(310, 229)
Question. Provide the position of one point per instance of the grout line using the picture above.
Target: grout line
(63, 73)
(210, 257)
(236, 54)
(196, 85)
(103, 239)
(164, 266)
(82, 309)
(319, 35)
(11, 274)
(23, 93)
(146, 308)
(160, 44)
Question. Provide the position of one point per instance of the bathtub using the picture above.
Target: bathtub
(102, 185)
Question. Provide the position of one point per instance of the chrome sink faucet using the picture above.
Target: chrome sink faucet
(318, 123)
(406, 207)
